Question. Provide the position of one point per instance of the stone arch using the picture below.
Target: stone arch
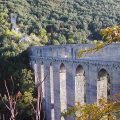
(62, 68)
(63, 95)
(79, 70)
(80, 85)
(103, 84)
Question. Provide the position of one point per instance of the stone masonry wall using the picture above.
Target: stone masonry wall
(71, 83)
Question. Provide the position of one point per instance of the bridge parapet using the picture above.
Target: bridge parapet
(60, 51)
(71, 51)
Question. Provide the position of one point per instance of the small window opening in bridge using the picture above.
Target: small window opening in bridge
(40, 53)
(76, 54)
(103, 85)
(72, 52)
(63, 98)
(80, 85)
(66, 53)
(50, 52)
(65, 56)
(13, 21)
(37, 52)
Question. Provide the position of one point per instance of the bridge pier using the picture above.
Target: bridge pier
(57, 111)
(47, 90)
(70, 87)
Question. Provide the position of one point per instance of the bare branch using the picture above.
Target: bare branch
(33, 107)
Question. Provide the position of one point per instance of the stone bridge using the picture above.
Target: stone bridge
(70, 79)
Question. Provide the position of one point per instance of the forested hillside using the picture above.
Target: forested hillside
(66, 21)
(43, 22)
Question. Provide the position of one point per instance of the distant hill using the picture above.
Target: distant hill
(70, 20)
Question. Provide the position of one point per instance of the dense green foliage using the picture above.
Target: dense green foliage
(45, 22)
(73, 21)
(109, 35)
(97, 111)
(14, 66)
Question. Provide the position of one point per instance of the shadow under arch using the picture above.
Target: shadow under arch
(103, 84)
(80, 70)
(80, 85)
(62, 68)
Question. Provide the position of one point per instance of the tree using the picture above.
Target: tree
(43, 35)
(62, 17)
(71, 40)
(102, 111)
(62, 39)
(38, 109)
(14, 62)
(11, 101)
(109, 35)
(55, 42)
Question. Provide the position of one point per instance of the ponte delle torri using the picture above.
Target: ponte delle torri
(70, 79)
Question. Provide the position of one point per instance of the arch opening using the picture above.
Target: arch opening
(62, 68)
(103, 85)
(63, 95)
(80, 71)
(80, 85)
(52, 91)
(42, 78)
(36, 73)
